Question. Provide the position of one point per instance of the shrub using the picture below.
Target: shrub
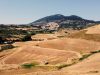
(32, 33)
(85, 56)
(60, 36)
(1, 40)
(63, 65)
(5, 47)
(93, 52)
(26, 38)
(94, 71)
(29, 65)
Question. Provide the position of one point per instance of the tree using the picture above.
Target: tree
(26, 38)
(1, 40)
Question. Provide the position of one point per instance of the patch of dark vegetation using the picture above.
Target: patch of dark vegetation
(38, 39)
(16, 33)
(26, 38)
(84, 57)
(93, 72)
(87, 55)
(50, 38)
(12, 32)
(64, 65)
(29, 65)
(1, 40)
(36, 45)
(93, 52)
(41, 31)
(60, 36)
(6, 47)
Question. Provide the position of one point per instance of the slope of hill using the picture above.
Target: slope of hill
(93, 30)
(78, 45)
(54, 52)
(88, 66)
(38, 54)
(91, 33)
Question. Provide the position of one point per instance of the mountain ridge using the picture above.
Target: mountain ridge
(72, 21)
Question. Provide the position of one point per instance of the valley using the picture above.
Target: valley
(51, 48)
(51, 54)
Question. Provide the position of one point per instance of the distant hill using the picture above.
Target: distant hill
(98, 22)
(72, 21)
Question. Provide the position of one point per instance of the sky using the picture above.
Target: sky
(26, 11)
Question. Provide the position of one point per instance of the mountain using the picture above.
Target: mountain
(98, 22)
(72, 21)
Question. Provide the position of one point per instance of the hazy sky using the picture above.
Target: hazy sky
(26, 11)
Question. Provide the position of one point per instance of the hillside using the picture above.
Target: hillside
(69, 52)
(89, 66)
(91, 33)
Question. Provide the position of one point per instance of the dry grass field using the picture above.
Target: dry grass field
(54, 55)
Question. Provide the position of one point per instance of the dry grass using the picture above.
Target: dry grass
(82, 34)
(71, 44)
(54, 55)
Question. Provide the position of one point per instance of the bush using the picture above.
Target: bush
(32, 33)
(63, 65)
(1, 40)
(26, 38)
(93, 52)
(5, 47)
(94, 71)
(60, 36)
(29, 65)
(85, 56)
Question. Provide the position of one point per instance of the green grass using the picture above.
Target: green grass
(29, 65)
